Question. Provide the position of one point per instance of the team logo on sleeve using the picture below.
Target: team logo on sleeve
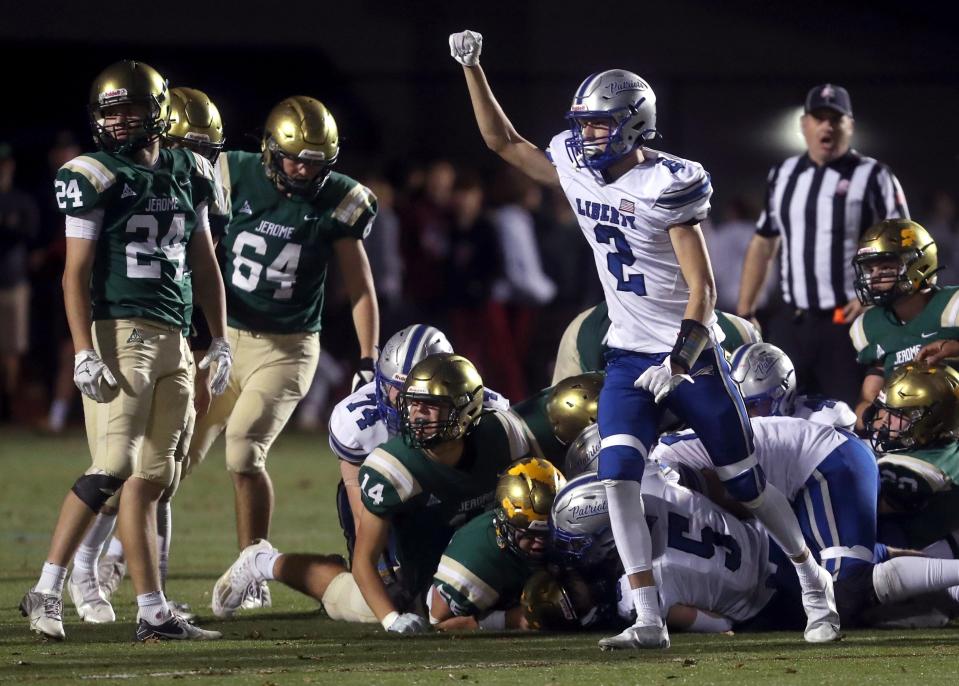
(246, 209)
(127, 192)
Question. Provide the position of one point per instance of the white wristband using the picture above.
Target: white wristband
(388, 620)
(494, 621)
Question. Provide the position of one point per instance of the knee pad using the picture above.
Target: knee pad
(747, 486)
(343, 601)
(345, 514)
(96, 489)
(244, 456)
(175, 484)
(621, 463)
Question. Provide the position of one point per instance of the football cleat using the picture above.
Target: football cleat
(637, 636)
(233, 586)
(257, 596)
(45, 611)
(89, 600)
(174, 629)
(110, 571)
(822, 618)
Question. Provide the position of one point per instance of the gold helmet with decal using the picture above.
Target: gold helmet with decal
(302, 129)
(904, 242)
(574, 404)
(557, 603)
(917, 407)
(524, 496)
(195, 123)
(442, 397)
(139, 92)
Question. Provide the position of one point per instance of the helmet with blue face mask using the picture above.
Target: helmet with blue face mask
(619, 100)
(580, 532)
(401, 352)
(766, 378)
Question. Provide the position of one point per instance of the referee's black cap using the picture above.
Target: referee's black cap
(830, 96)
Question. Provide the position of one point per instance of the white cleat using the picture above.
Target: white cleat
(257, 596)
(91, 605)
(822, 618)
(636, 636)
(110, 571)
(45, 611)
(231, 588)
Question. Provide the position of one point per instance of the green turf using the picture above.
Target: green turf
(293, 644)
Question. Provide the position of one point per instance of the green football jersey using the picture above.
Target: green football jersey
(592, 332)
(276, 248)
(532, 412)
(426, 501)
(147, 217)
(475, 575)
(882, 340)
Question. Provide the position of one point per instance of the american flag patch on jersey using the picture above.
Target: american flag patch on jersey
(627, 206)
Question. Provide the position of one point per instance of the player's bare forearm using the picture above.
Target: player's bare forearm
(370, 544)
(500, 136)
(76, 291)
(358, 278)
(208, 291)
(690, 249)
(759, 255)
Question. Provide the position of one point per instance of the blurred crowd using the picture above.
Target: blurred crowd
(493, 259)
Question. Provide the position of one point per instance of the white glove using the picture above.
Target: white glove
(660, 380)
(220, 353)
(465, 47)
(88, 373)
(408, 623)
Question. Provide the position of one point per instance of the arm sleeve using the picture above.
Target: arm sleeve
(86, 226)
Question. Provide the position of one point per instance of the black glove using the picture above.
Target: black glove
(364, 373)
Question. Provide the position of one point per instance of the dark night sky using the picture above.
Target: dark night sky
(726, 73)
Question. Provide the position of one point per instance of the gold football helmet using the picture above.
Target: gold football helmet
(442, 397)
(917, 407)
(195, 123)
(553, 603)
(574, 404)
(129, 83)
(524, 496)
(302, 129)
(904, 241)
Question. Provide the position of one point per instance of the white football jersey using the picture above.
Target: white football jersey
(626, 224)
(823, 410)
(788, 450)
(356, 426)
(705, 557)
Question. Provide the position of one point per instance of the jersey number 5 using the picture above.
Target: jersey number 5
(617, 261)
(706, 546)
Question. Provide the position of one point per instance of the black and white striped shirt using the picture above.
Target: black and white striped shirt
(821, 212)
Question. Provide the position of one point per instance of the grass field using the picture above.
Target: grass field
(292, 643)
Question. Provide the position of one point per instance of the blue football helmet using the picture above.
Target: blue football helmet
(619, 100)
(401, 352)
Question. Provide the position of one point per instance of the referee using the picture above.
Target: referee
(817, 206)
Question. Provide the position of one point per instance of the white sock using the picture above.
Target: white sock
(85, 559)
(776, 514)
(59, 411)
(116, 548)
(646, 602)
(164, 533)
(808, 572)
(627, 517)
(153, 607)
(954, 593)
(264, 564)
(903, 577)
(51, 579)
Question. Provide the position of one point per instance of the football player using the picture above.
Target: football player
(421, 487)
(556, 415)
(581, 348)
(767, 381)
(479, 579)
(291, 214)
(896, 269)
(137, 225)
(371, 414)
(640, 209)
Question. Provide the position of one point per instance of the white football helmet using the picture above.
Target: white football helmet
(764, 373)
(583, 453)
(620, 100)
(580, 532)
(402, 351)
